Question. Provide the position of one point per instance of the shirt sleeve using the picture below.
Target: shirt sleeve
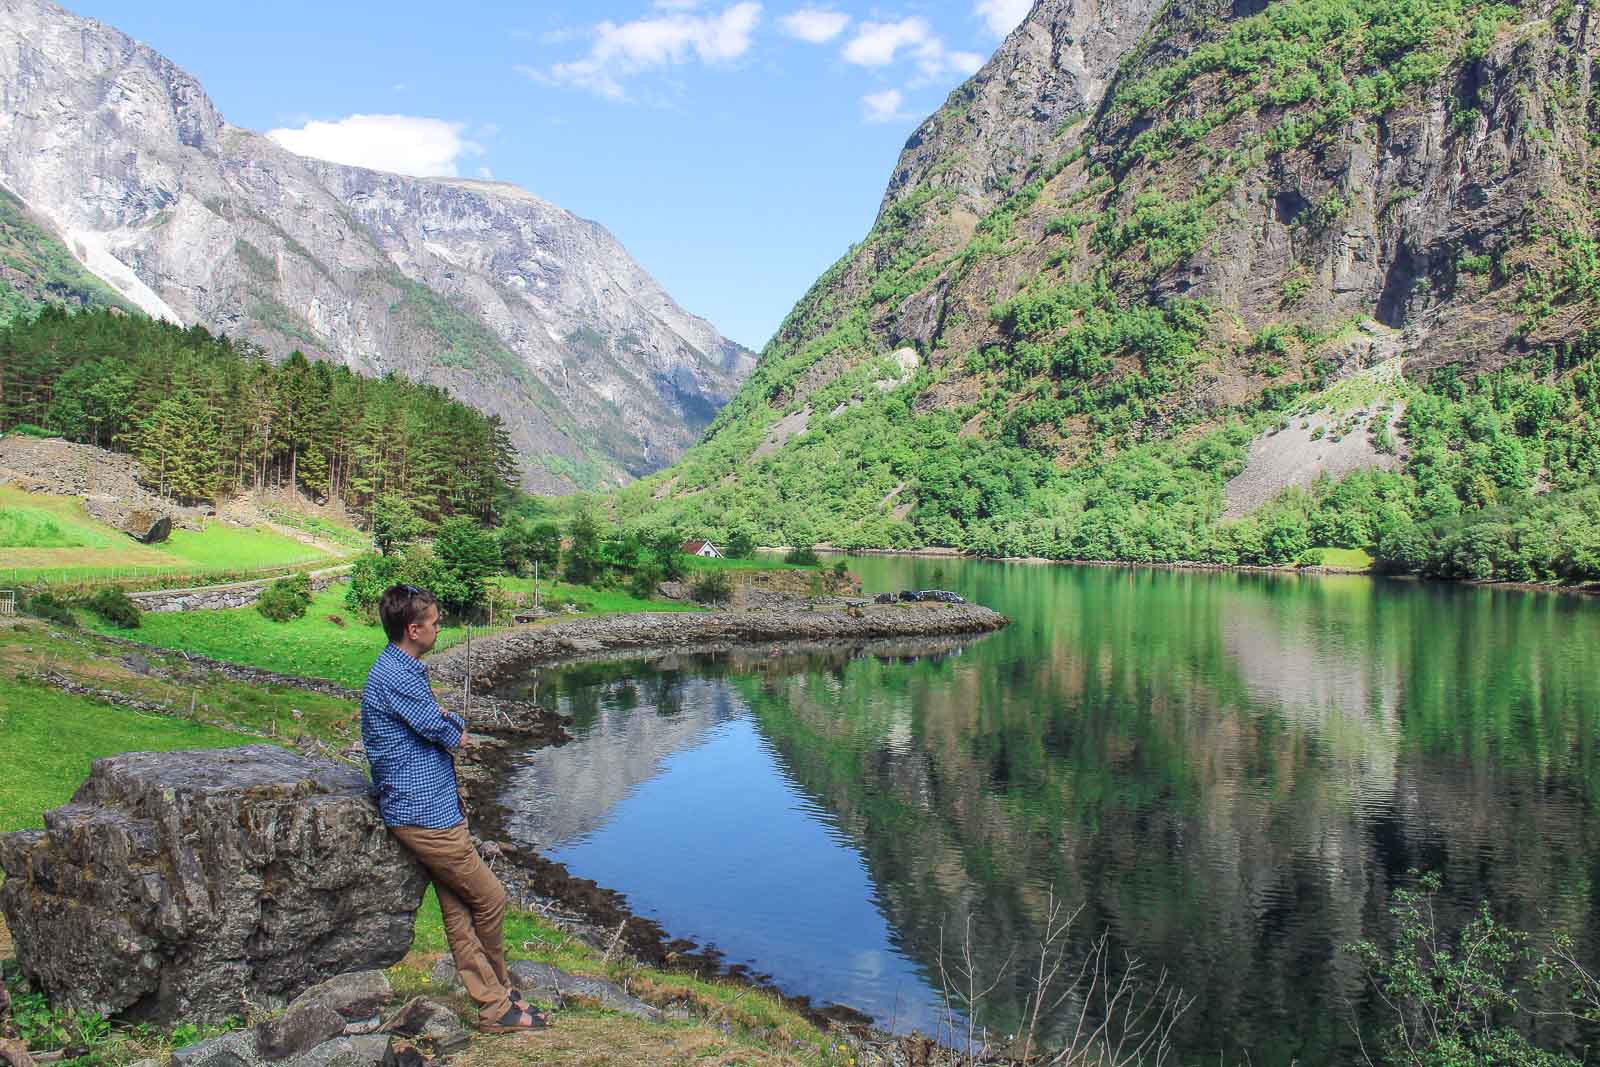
(413, 703)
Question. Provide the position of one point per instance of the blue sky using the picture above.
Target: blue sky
(736, 147)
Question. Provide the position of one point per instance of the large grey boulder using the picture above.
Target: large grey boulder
(188, 885)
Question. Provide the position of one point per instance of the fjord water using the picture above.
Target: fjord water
(1231, 773)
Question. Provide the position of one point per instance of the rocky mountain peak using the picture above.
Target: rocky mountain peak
(512, 303)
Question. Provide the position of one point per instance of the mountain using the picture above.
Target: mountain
(1200, 280)
(515, 305)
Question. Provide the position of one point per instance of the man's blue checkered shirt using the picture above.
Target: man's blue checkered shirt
(408, 738)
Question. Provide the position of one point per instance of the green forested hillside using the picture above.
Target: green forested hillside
(207, 416)
(1260, 210)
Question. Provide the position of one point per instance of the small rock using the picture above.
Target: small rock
(364, 1026)
(237, 1049)
(354, 997)
(547, 983)
(445, 974)
(136, 663)
(305, 1025)
(428, 1020)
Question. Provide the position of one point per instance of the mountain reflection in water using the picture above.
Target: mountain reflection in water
(1231, 773)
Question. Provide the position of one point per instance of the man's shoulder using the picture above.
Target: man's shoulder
(385, 671)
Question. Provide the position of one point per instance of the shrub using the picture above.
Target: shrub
(286, 598)
(713, 587)
(51, 608)
(643, 581)
(741, 544)
(369, 577)
(803, 555)
(840, 568)
(114, 606)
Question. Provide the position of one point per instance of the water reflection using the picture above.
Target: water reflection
(1231, 773)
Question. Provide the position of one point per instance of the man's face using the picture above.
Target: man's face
(425, 631)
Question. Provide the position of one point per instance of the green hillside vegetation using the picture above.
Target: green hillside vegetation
(37, 270)
(1065, 410)
(207, 416)
(51, 539)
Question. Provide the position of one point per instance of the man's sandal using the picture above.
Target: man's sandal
(517, 1020)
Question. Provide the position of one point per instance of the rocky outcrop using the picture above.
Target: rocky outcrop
(195, 885)
(502, 656)
(515, 305)
(107, 482)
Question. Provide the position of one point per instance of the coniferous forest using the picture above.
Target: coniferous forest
(207, 416)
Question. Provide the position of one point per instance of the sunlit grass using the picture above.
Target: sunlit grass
(52, 737)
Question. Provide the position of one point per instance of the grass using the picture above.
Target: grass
(52, 737)
(51, 540)
(313, 646)
(33, 528)
(589, 600)
(757, 563)
(733, 1024)
(317, 647)
(1345, 559)
(223, 547)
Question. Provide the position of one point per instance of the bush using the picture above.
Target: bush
(741, 545)
(643, 582)
(286, 598)
(51, 608)
(369, 577)
(713, 587)
(804, 555)
(840, 568)
(114, 606)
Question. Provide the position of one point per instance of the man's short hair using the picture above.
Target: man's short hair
(402, 605)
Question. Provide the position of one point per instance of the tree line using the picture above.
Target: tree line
(207, 416)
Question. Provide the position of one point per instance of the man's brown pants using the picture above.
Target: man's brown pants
(473, 903)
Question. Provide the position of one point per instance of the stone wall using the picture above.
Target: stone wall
(217, 597)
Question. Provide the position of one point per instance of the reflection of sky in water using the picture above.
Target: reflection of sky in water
(1232, 772)
(792, 898)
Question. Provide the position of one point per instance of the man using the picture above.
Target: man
(409, 741)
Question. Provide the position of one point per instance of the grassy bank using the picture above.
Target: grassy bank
(52, 540)
(330, 641)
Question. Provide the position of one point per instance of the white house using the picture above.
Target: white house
(704, 549)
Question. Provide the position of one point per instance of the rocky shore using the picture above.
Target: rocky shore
(498, 657)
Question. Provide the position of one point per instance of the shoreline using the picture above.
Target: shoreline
(1588, 589)
(495, 657)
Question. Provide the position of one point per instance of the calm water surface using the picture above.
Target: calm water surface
(1231, 773)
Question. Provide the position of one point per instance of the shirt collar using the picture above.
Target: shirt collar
(395, 652)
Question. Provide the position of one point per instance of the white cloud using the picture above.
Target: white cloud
(403, 144)
(884, 106)
(815, 25)
(1002, 16)
(622, 50)
(878, 44)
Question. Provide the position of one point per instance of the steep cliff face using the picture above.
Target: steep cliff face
(1138, 224)
(517, 306)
